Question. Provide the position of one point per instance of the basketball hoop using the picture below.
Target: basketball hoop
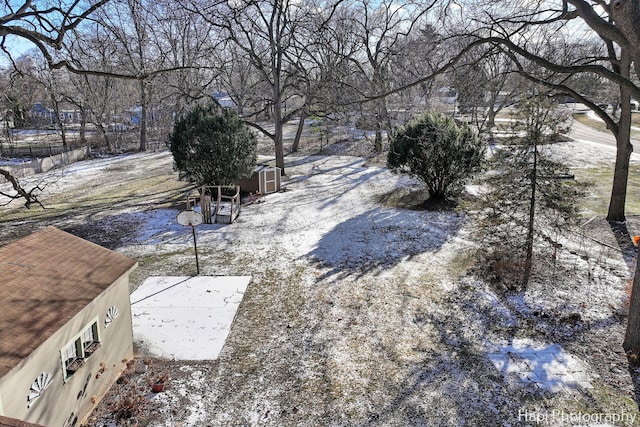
(190, 217)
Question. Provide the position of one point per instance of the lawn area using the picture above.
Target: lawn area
(601, 178)
(361, 310)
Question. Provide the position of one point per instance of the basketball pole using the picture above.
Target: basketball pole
(195, 248)
(191, 218)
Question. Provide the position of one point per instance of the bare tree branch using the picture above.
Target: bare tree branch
(29, 196)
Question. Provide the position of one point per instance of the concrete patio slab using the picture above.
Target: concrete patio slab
(185, 318)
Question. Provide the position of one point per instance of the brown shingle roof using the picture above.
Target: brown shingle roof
(11, 422)
(46, 278)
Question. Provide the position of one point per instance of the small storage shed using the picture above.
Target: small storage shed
(265, 180)
(65, 320)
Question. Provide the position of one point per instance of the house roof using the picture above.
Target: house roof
(12, 422)
(47, 278)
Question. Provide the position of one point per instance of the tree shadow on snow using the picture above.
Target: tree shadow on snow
(455, 383)
(136, 228)
(382, 238)
(625, 243)
(353, 169)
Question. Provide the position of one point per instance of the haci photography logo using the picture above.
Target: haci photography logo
(557, 416)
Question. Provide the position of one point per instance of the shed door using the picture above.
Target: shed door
(270, 181)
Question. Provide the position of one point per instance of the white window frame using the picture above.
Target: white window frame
(75, 348)
(89, 335)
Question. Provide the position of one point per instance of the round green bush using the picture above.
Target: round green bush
(211, 145)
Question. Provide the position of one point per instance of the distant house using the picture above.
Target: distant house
(447, 95)
(42, 115)
(65, 326)
(224, 100)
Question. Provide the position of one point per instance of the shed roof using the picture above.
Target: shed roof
(46, 278)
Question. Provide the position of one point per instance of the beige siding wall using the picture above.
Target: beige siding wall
(66, 399)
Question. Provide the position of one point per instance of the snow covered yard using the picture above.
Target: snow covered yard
(360, 312)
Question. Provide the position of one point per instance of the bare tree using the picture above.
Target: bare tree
(541, 39)
(266, 36)
(130, 25)
(333, 75)
(384, 30)
(102, 97)
(50, 30)
(22, 90)
(547, 40)
(51, 85)
(191, 46)
(486, 83)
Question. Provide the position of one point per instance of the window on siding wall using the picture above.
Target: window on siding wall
(72, 357)
(90, 342)
(81, 347)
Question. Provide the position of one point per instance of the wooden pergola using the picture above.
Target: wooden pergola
(226, 207)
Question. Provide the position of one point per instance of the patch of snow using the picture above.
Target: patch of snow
(546, 366)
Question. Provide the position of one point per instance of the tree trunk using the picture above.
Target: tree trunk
(83, 127)
(296, 141)
(491, 121)
(620, 178)
(631, 343)
(63, 134)
(105, 136)
(377, 142)
(58, 121)
(624, 149)
(143, 116)
(277, 135)
(528, 262)
(383, 122)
